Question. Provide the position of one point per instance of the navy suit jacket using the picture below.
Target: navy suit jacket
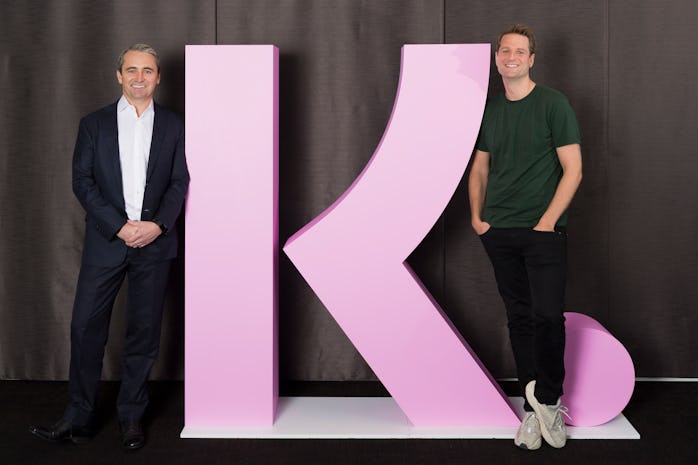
(98, 185)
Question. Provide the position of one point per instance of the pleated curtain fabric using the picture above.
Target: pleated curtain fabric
(632, 229)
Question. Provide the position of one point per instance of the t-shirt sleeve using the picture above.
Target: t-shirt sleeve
(565, 130)
(480, 144)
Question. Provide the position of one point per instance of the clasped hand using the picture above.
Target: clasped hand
(138, 234)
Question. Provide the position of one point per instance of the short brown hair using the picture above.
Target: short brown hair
(523, 30)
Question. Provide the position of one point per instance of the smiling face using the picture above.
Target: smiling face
(138, 76)
(514, 58)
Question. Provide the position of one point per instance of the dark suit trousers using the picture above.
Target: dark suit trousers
(96, 291)
(530, 268)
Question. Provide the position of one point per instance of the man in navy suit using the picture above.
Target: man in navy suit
(131, 177)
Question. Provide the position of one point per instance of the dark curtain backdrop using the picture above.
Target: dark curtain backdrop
(629, 73)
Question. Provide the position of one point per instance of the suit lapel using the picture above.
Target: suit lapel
(159, 128)
(112, 145)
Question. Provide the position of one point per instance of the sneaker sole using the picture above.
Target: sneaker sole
(535, 446)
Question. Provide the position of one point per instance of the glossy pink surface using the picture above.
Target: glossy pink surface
(600, 376)
(231, 235)
(353, 255)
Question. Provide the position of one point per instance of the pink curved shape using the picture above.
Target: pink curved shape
(600, 374)
(353, 255)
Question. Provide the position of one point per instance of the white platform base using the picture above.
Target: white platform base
(380, 418)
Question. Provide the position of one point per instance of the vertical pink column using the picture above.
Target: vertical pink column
(231, 236)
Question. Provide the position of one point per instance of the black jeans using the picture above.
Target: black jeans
(530, 268)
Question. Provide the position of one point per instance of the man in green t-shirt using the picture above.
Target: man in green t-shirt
(526, 169)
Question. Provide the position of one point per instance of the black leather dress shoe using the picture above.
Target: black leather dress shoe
(132, 436)
(62, 431)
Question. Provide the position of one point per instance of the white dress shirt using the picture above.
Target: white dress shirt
(135, 136)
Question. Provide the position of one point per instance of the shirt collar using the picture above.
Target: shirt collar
(123, 104)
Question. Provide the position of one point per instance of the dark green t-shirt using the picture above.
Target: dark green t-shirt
(521, 137)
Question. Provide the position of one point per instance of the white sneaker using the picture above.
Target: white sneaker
(552, 426)
(528, 436)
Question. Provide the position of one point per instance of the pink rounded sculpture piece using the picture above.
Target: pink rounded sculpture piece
(600, 376)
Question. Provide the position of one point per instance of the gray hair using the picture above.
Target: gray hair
(145, 48)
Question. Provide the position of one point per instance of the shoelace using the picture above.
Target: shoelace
(564, 411)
